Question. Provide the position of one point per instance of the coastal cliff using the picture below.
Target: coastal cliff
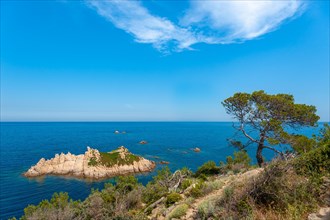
(93, 164)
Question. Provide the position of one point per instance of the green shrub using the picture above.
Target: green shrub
(108, 193)
(173, 198)
(216, 184)
(153, 192)
(208, 168)
(178, 211)
(126, 183)
(316, 161)
(229, 161)
(241, 157)
(228, 192)
(185, 184)
(244, 208)
(112, 158)
(92, 161)
(197, 190)
(206, 210)
(281, 187)
(163, 177)
(202, 177)
(186, 171)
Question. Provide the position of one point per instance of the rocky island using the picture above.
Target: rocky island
(93, 164)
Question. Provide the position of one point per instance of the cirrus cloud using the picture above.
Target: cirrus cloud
(211, 22)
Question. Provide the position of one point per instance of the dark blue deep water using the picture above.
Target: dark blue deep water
(23, 144)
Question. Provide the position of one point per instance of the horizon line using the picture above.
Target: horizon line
(124, 121)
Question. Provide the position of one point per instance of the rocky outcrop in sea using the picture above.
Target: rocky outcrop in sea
(93, 164)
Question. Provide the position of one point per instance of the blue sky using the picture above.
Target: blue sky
(158, 60)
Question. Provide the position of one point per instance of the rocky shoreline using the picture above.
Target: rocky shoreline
(92, 164)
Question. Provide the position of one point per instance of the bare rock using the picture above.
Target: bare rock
(323, 214)
(91, 165)
(196, 149)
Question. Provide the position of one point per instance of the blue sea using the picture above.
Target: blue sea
(23, 144)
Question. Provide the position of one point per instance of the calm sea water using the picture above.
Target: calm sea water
(23, 144)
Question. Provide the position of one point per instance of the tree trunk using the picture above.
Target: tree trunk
(259, 157)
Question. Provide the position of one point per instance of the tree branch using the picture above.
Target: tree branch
(273, 149)
(246, 134)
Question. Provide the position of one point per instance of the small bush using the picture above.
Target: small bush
(173, 198)
(126, 183)
(240, 162)
(228, 192)
(158, 187)
(216, 184)
(202, 177)
(206, 210)
(185, 184)
(92, 162)
(241, 157)
(316, 161)
(153, 192)
(208, 168)
(178, 211)
(197, 190)
(244, 208)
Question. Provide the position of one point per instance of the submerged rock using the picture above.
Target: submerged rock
(143, 142)
(93, 164)
(164, 162)
(196, 149)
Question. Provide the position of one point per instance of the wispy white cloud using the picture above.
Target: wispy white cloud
(232, 21)
(135, 19)
(212, 22)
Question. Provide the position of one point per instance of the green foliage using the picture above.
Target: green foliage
(59, 205)
(324, 137)
(314, 162)
(228, 192)
(112, 158)
(241, 157)
(244, 208)
(92, 161)
(59, 200)
(126, 183)
(153, 192)
(178, 211)
(108, 193)
(186, 171)
(185, 184)
(240, 162)
(158, 187)
(284, 190)
(302, 144)
(206, 210)
(208, 168)
(202, 177)
(172, 198)
(163, 174)
(269, 115)
(197, 189)
(282, 187)
(229, 160)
